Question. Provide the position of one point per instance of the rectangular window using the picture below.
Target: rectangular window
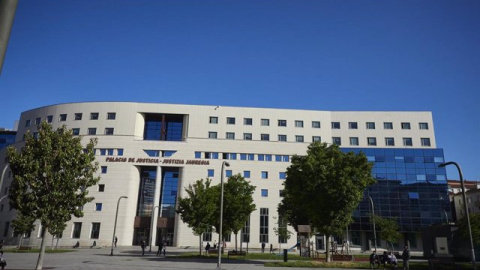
(76, 230)
(337, 140)
(75, 131)
(108, 131)
(50, 119)
(230, 120)
(246, 174)
(263, 225)
(261, 157)
(315, 124)
(228, 173)
(78, 116)
(94, 116)
(264, 192)
(5, 230)
(98, 206)
(101, 188)
(371, 141)
(265, 137)
(407, 142)
(282, 224)
(264, 175)
(299, 123)
(92, 131)
(316, 139)
(405, 125)
(247, 121)
(299, 138)
(354, 141)
(38, 120)
(211, 173)
(104, 169)
(250, 157)
(268, 157)
(213, 120)
(103, 152)
(282, 175)
(425, 141)
(95, 230)
(423, 125)
(247, 136)
(212, 135)
(63, 117)
(198, 154)
(282, 123)
(389, 141)
(370, 125)
(387, 125)
(265, 122)
(110, 151)
(246, 232)
(282, 138)
(119, 152)
(352, 125)
(335, 125)
(111, 116)
(230, 136)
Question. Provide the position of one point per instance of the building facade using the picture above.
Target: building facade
(151, 152)
(472, 195)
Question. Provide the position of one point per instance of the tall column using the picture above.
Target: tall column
(156, 201)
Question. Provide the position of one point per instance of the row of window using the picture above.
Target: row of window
(108, 151)
(243, 156)
(93, 131)
(315, 124)
(247, 174)
(263, 137)
(94, 230)
(77, 116)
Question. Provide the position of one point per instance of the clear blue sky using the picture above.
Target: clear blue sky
(319, 55)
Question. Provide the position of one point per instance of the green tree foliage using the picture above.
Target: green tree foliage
(324, 187)
(52, 173)
(197, 209)
(474, 225)
(388, 229)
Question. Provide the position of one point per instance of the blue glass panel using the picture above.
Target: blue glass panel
(214, 155)
(428, 152)
(168, 153)
(198, 154)
(243, 156)
(418, 152)
(246, 174)
(233, 156)
(120, 152)
(228, 173)
(261, 157)
(268, 157)
(278, 158)
(391, 170)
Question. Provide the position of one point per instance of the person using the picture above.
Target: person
(385, 259)
(263, 247)
(3, 263)
(1, 244)
(406, 258)
(164, 249)
(207, 247)
(271, 248)
(215, 244)
(94, 244)
(343, 248)
(77, 244)
(374, 260)
(143, 247)
(116, 240)
(160, 248)
(392, 260)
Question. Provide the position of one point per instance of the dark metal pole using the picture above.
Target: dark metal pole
(7, 15)
(220, 243)
(373, 220)
(115, 225)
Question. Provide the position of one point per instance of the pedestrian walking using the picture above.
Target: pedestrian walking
(207, 248)
(263, 247)
(164, 249)
(143, 247)
(116, 240)
(271, 248)
(3, 263)
(406, 258)
(160, 248)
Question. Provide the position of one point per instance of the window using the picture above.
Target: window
(63, 117)
(230, 120)
(246, 231)
(282, 224)
(230, 136)
(247, 136)
(228, 173)
(352, 125)
(407, 142)
(299, 138)
(387, 125)
(265, 137)
(405, 125)
(261, 157)
(207, 235)
(425, 141)
(423, 125)
(372, 141)
(77, 229)
(198, 154)
(50, 119)
(264, 192)
(103, 152)
(299, 123)
(263, 225)
(95, 230)
(337, 140)
(38, 120)
(5, 230)
(75, 131)
(264, 175)
(247, 121)
(211, 173)
(212, 135)
(370, 125)
(282, 175)
(94, 116)
(92, 131)
(108, 131)
(282, 138)
(335, 125)
(389, 141)
(246, 174)
(78, 116)
(282, 123)
(315, 124)
(316, 139)
(104, 169)
(98, 206)
(213, 120)
(265, 122)
(101, 188)
(119, 152)
(353, 140)
(111, 116)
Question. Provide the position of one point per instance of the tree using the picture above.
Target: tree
(22, 225)
(197, 209)
(52, 173)
(282, 231)
(389, 229)
(323, 188)
(474, 225)
(237, 205)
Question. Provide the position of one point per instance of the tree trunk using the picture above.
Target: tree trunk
(200, 243)
(327, 248)
(53, 239)
(42, 250)
(236, 234)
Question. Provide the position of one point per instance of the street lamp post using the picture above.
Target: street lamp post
(464, 204)
(220, 243)
(151, 228)
(115, 225)
(373, 220)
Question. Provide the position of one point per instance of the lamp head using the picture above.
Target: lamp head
(446, 164)
(226, 164)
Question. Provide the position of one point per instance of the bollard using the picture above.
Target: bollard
(285, 255)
